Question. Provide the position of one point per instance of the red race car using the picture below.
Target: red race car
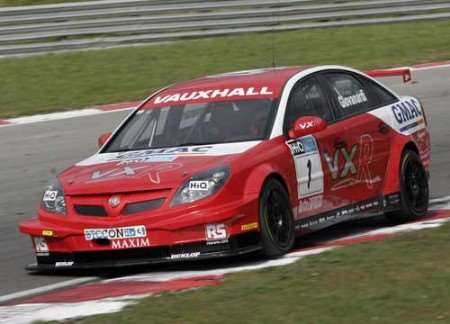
(236, 163)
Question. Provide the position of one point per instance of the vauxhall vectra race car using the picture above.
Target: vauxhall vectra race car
(237, 163)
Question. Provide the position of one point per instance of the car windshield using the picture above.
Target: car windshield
(195, 124)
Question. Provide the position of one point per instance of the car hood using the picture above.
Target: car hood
(144, 170)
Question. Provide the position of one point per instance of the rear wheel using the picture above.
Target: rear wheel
(414, 192)
(275, 217)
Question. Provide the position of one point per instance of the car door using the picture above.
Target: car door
(307, 98)
(361, 153)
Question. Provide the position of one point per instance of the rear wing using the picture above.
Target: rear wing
(405, 73)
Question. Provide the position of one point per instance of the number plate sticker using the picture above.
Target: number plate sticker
(115, 233)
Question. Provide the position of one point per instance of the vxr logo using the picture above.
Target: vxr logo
(349, 174)
(349, 166)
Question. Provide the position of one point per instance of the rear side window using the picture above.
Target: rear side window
(384, 97)
(306, 99)
(349, 94)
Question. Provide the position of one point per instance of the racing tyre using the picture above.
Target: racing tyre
(275, 217)
(414, 192)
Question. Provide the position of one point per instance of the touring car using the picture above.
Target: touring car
(237, 163)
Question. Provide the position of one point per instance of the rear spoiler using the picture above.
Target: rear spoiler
(405, 73)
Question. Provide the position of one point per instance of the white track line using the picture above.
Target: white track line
(431, 67)
(48, 288)
(59, 116)
(440, 200)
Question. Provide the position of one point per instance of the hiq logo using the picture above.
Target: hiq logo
(406, 111)
(199, 185)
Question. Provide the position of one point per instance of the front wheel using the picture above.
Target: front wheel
(414, 192)
(275, 217)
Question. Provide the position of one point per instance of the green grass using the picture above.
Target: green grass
(74, 80)
(404, 279)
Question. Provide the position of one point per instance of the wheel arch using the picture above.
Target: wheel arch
(259, 177)
(392, 176)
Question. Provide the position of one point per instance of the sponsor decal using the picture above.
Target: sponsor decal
(50, 195)
(391, 201)
(302, 145)
(341, 214)
(296, 147)
(348, 174)
(310, 203)
(47, 232)
(199, 185)
(167, 154)
(352, 100)
(40, 246)
(308, 166)
(406, 111)
(408, 114)
(130, 243)
(307, 125)
(170, 151)
(349, 166)
(190, 255)
(405, 117)
(216, 234)
(115, 233)
(149, 158)
(249, 227)
(153, 171)
(64, 264)
(212, 94)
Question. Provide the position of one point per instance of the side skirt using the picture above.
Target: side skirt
(362, 209)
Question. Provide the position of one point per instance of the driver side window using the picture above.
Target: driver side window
(306, 99)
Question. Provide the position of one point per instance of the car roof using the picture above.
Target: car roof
(273, 76)
(273, 79)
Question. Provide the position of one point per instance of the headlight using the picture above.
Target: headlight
(53, 198)
(201, 186)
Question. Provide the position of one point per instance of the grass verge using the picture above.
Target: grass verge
(74, 80)
(404, 279)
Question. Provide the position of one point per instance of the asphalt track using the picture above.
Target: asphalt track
(33, 153)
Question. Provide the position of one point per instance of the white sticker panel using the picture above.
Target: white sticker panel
(308, 166)
(405, 117)
(170, 154)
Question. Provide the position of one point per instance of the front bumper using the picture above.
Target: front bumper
(237, 245)
(61, 242)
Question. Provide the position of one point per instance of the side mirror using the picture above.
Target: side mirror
(103, 138)
(307, 125)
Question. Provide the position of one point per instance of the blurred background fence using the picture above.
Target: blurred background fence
(109, 23)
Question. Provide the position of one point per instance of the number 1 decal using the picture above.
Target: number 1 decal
(308, 167)
(309, 173)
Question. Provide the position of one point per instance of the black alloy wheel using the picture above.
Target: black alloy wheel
(414, 191)
(275, 215)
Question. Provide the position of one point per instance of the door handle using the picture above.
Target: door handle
(383, 128)
(339, 143)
